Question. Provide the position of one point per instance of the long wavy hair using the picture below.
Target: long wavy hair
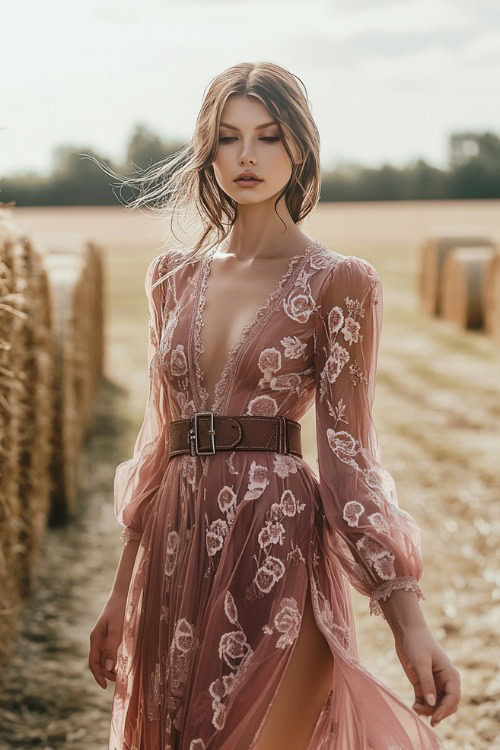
(186, 179)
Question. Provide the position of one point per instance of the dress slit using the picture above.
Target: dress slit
(279, 737)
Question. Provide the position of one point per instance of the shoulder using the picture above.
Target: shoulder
(350, 274)
(349, 280)
(160, 265)
(156, 268)
(167, 260)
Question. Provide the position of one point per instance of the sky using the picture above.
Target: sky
(387, 80)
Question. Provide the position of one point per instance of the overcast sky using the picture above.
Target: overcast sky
(388, 80)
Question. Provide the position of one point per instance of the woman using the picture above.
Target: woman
(229, 625)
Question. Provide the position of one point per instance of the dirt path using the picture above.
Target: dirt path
(437, 411)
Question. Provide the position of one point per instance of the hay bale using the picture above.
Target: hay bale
(432, 255)
(13, 316)
(65, 275)
(97, 288)
(462, 285)
(92, 325)
(36, 425)
(75, 270)
(492, 298)
(51, 357)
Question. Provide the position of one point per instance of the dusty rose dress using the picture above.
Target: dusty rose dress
(230, 542)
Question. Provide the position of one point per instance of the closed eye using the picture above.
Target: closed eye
(232, 138)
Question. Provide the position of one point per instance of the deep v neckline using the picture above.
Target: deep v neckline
(225, 380)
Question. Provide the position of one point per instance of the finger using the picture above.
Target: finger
(426, 679)
(108, 665)
(451, 698)
(95, 665)
(422, 708)
(97, 641)
(419, 704)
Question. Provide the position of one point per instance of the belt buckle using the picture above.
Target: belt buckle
(193, 434)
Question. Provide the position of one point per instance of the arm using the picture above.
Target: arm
(377, 543)
(135, 485)
(138, 479)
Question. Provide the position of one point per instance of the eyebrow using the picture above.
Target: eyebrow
(257, 127)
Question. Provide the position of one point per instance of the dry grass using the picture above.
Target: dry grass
(437, 409)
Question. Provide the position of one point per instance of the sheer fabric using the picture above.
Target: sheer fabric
(138, 479)
(231, 542)
(376, 542)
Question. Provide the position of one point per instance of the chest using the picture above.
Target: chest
(251, 324)
(230, 302)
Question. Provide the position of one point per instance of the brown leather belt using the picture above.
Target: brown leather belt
(205, 433)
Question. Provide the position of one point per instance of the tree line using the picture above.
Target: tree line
(473, 171)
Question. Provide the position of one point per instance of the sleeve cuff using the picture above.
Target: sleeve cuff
(128, 535)
(408, 583)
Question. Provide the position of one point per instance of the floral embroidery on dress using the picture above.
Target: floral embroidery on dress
(258, 480)
(172, 547)
(357, 375)
(269, 362)
(164, 617)
(180, 657)
(344, 446)
(289, 382)
(215, 535)
(337, 355)
(122, 664)
(377, 520)
(287, 621)
(230, 465)
(178, 361)
(295, 555)
(154, 694)
(342, 634)
(378, 556)
(293, 346)
(352, 512)
(299, 306)
(167, 333)
(262, 406)
(270, 569)
(236, 652)
(218, 529)
(284, 465)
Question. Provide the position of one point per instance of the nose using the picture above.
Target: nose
(246, 156)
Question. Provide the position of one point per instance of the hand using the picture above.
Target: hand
(429, 670)
(105, 638)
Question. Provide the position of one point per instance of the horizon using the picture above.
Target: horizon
(388, 80)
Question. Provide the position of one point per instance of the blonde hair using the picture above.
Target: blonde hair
(186, 178)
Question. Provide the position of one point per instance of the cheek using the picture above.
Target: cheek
(221, 165)
(278, 164)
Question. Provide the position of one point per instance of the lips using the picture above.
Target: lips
(247, 177)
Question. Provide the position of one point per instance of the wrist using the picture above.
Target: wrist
(402, 610)
(117, 596)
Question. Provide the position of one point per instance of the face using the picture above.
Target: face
(247, 146)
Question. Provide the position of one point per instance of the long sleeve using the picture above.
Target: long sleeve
(137, 479)
(376, 542)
